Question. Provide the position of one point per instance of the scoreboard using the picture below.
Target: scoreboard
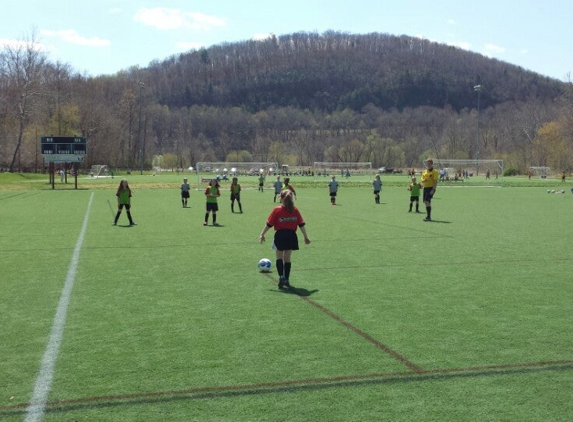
(63, 148)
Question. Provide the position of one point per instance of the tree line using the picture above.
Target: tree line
(293, 99)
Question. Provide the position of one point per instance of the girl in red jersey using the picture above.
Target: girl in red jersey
(285, 219)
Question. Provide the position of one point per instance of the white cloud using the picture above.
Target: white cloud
(72, 37)
(451, 22)
(11, 43)
(115, 10)
(164, 18)
(19, 44)
(493, 50)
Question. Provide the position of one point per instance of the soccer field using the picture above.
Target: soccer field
(467, 317)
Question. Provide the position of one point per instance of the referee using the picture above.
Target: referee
(430, 178)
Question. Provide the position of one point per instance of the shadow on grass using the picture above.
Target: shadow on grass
(299, 291)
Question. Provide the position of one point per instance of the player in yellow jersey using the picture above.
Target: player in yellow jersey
(429, 180)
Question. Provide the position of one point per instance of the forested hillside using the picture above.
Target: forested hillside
(293, 99)
(335, 71)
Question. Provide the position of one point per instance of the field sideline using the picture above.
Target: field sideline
(464, 318)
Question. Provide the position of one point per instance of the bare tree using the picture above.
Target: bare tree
(22, 70)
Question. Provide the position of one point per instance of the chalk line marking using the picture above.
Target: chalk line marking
(43, 385)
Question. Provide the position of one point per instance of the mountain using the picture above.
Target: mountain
(335, 71)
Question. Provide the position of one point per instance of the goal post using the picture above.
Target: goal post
(342, 169)
(98, 170)
(225, 170)
(470, 172)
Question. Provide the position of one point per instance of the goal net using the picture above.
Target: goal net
(342, 169)
(98, 170)
(470, 172)
(225, 170)
(541, 172)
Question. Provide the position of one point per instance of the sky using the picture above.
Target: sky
(102, 37)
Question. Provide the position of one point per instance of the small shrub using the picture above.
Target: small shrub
(511, 171)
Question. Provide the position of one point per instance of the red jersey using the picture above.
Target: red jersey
(281, 219)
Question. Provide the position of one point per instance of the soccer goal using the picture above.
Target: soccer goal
(225, 170)
(342, 169)
(470, 172)
(541, 172)
(98, 170)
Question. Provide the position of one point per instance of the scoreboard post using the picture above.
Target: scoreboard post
(63, 149)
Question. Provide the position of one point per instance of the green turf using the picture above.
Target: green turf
(390, 318)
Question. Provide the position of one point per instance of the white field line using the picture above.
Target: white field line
(36, 407)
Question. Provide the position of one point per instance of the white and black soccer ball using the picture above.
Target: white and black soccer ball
(265, 265)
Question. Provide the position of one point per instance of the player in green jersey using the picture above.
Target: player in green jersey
(212, 193)
(236, 195)
(123, 200)
(414, 189)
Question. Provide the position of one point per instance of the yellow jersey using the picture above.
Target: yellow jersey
(429, 177)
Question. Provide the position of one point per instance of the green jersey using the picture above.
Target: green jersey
(212, 190)
(415, 189)
(124, 196)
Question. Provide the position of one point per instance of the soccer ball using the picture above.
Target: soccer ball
(265, 265)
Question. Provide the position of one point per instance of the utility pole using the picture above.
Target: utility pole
(477, 88)
(141, 87)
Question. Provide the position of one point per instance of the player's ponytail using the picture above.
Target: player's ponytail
(287, 201)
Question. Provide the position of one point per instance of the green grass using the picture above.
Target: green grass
(391, 318)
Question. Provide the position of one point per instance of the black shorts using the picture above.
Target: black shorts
(414, 198)
(237, 197)
(332, 193)
(127, 206)
(376, 192)
(428, 194)
(212, 206)
(185, 194)
(286, 240)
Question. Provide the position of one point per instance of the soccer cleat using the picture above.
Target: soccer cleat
(427, 219)
(114, 224)
(215, 223)
(204, 223)
(282, 281)
(133, 223)
(287, 284)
